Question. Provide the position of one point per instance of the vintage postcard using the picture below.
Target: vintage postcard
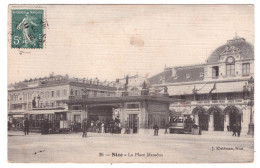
(130, 83)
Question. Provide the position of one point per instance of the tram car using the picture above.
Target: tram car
(47, 122)
(181, 123)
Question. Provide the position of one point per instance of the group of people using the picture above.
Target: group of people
(19, 124)
(16, 124)
(236, 130)
(111, 126)
(114, 126)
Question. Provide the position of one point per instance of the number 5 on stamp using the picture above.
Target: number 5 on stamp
(27, 28)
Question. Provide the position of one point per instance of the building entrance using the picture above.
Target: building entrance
(234, 117)
(218, 120)
(203, 120)
(101, 113)
(133, 123)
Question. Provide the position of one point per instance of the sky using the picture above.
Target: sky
(111, 41)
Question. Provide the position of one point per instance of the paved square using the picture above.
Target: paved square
(175, 148)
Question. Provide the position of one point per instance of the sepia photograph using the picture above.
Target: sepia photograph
(130, 83)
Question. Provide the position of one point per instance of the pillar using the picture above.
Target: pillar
(143, 121)
(211, 122)
(196, 119)
(226, 122)
(84, 113)
(245, 120)
(122, 118)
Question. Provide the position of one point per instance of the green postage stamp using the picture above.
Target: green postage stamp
(27, 28)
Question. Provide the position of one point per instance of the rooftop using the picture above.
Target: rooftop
(246, 50)
(59, 79)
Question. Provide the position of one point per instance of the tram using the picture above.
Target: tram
(181, 123)
(48, 121)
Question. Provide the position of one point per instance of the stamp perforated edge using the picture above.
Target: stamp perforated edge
(10, 7)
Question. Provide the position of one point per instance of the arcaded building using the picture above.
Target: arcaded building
(219, 93)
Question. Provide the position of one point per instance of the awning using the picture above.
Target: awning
(230, 87)
(223, 87)
(16, 116)
(46, 111)
(16, 111)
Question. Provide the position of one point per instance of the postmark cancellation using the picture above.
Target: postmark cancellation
(27, 28)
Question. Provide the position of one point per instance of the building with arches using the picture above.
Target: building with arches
(219, 92)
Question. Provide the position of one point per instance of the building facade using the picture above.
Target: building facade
(43, 98)
(219, 93)
(138, 113)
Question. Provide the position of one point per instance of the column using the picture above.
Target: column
(196, 120)
(245, 120)
(122, 118)
(142, 119)
(84, 113)
(226, 122)
(211, 123)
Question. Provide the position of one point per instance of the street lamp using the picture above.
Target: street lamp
(251, 104)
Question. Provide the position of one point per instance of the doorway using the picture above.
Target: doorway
(234, 118)
(133, 123)
(218, 121)
(203, 121)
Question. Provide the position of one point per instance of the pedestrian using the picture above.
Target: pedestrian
(26, 126)
(99, 126)
(95, 126)
(156, 128)
(71, 126)
(234, 130)
(91, 125)
(84, 128)
(119, 128)
(103, 128)
(126, 128)
(166, 128)
(238, 129)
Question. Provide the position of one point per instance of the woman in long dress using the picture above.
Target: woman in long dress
(103, 128)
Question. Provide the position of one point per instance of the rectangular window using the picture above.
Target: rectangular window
(246, 69)
(58, 93)
(24, 96)
(47, 94)
(30, 96)
(230, 70)
(52, 94)
(42, 95)
(215, 72)
(132, 106)
(64, 92)
(29, 106)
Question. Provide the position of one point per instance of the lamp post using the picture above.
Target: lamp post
(251, 104)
